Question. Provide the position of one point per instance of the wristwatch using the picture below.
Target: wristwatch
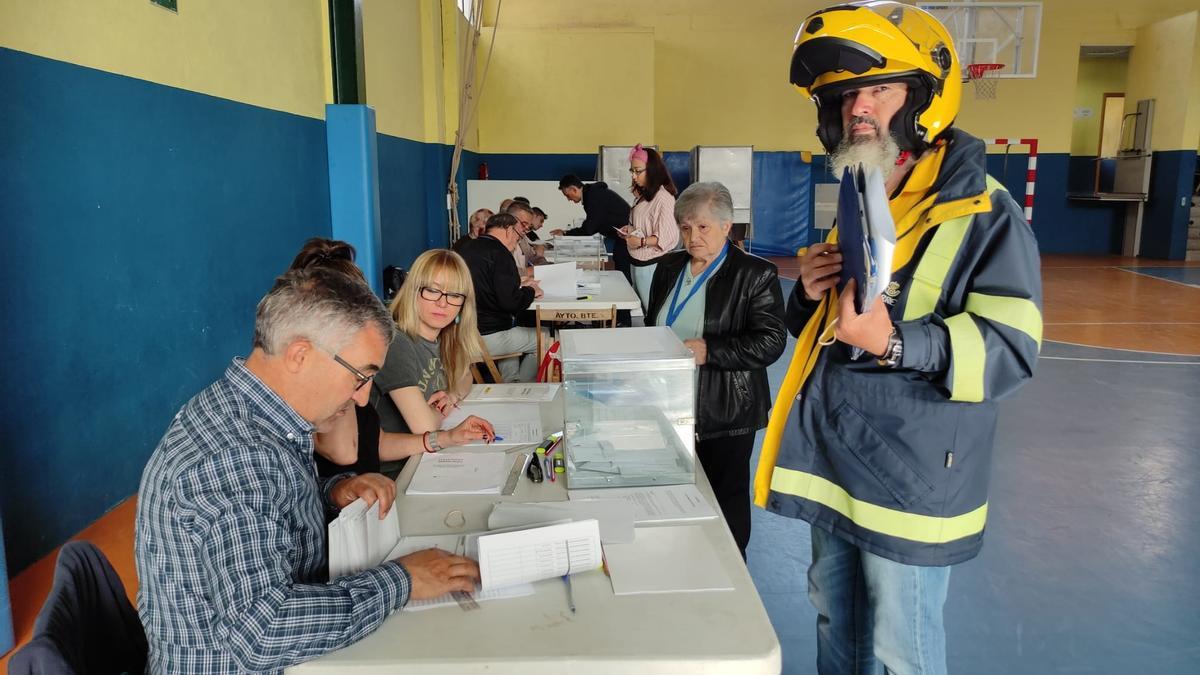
(433, 443)
(895, 349)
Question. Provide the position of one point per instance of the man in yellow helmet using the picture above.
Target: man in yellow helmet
(887, 456)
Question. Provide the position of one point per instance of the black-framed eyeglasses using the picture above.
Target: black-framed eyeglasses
(637, 172)
(433, 295)
(363, 380)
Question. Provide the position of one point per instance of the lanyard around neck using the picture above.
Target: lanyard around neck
(676, 307)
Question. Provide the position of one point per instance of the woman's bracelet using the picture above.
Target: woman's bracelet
(425, 441)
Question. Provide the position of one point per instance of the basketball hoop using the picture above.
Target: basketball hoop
(985, 77)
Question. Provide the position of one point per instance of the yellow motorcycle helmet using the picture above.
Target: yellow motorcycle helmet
(853, 45)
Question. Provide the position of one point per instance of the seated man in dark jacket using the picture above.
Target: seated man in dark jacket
(500, 294)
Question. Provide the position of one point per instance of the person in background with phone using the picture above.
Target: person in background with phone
(652, 230)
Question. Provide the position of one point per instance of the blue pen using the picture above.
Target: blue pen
(497, 438)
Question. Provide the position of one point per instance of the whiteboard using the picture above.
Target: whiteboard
(732, 166)
(612, 166)
(560, 213)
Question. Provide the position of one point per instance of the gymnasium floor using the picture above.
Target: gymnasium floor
(1091, 557)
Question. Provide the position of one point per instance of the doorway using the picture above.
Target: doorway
(1112, 113)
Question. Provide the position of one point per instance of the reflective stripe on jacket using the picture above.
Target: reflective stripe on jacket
(897, 460)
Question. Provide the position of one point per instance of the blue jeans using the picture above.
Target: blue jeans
(874, 612)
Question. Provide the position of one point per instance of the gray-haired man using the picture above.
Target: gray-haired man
(230, 526)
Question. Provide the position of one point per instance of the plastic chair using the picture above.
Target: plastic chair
(87, 624)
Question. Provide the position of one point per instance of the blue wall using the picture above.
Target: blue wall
(412, 196)
(1164, 228)
(142, 225)
(1062, 225)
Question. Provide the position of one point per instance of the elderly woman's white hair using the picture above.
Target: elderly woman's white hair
(711, 195)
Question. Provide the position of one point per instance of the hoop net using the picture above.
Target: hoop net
(985, 77)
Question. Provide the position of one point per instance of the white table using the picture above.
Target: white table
(614, 290)
(716, 632)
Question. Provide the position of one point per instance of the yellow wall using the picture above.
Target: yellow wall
(393, 45)
(1162, 67)
(1097, 77)
(412, 80)
(567, 90)
(269, 53)
(720, 69)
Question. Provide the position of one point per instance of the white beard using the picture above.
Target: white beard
(878, 152)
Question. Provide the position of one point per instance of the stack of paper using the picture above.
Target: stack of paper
(515, 423)
(627, 447)
(460, 473)
(659, 504)
(359, 540)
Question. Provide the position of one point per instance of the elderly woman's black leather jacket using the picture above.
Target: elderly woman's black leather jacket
(744, 332)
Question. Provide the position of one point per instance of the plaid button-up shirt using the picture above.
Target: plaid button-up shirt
(230, 541)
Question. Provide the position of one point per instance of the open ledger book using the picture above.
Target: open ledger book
(508, 559)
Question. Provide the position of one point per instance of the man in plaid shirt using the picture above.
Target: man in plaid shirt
(230, 538)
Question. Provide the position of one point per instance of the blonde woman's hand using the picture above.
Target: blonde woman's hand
(444, 401)
(471, 429)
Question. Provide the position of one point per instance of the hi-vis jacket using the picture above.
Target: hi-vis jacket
(896, 460)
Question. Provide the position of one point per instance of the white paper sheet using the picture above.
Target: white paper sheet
(523, 393)
(523, 556)
(666, 560)
(660, 504)
(557, 281)
(515, 423)
(460, 473)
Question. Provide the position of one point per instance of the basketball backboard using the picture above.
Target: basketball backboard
(993, 32)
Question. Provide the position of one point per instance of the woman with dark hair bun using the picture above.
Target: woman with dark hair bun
(652, 230)
(329, 254)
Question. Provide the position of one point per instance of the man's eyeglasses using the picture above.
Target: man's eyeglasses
(363, 380)
(433, 295)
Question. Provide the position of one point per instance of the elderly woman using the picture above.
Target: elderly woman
(476, 224)
(727, 307)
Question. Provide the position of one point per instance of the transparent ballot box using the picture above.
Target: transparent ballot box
(630, 407)
(589, 252)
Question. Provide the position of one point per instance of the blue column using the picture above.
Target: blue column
(354, 185)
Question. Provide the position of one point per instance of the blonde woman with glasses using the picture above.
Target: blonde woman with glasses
(353, 440)
(427, 370)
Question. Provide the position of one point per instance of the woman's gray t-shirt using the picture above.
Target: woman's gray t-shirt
(411, 362)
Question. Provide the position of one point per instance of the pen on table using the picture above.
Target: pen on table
(570, 592)
(584, 297)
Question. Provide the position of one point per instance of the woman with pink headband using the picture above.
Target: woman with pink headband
(652, 230)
